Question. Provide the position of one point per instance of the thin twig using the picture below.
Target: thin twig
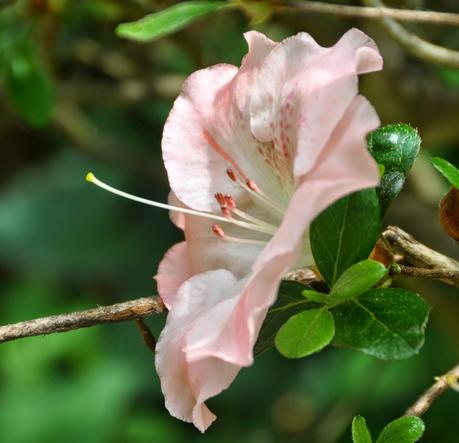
(147, 335)
(426, 261)
(436, 274)
(429, 263)
(369, 12)
(130, 310)
(415, 45)
(442, 384)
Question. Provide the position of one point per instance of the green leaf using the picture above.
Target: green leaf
(449, 171)
(395, 146)
(386, 323)
(360, 431)
(29, 87)
(289, 302)
(407, 429)
(316, 297)
(305, 333)
(345, 233)
(154, 26)
(359, 278)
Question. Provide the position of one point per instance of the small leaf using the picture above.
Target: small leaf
(290, 301)
(316, 297)
(345, 233)
(395, 146)
(386, 323)
(305, 333)
(154, 26)
(29, 87)
(449, 171)
(407, 429)
(359, 278)
(360, 431)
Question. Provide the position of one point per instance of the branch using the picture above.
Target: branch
(130, 310)
(378, 12)
(423, 403)
(424, 262)
(418, 260)
(415, 45)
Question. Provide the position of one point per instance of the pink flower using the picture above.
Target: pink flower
(253, 155)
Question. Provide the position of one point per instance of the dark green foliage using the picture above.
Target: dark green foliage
(386, 323)
(345, 233)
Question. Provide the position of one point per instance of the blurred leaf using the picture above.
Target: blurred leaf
(360, 432)
(305, 333)
(259, 11)
(289, 302)
(29, 87)
(345, 233)
(403, 430)
(154, 26)
(449, 171)
(386, 323)
(449, 75)
(357, 279)
(396, 148)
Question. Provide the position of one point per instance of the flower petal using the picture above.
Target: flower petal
(186, 385)
(344, 166)
(239, 317)
(173, 271)
(310, 89)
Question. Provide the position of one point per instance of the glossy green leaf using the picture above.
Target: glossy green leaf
(449, 171)
(395, 146)
(386, 323)
(305, 333)
(29, 87)
(316, 297)
(289, 302)
(407, 429)
(360, 432)
(154, 26)
(345, 233)
(356, 280)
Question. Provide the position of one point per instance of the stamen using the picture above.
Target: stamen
(220, 233)
(227, 218)
(91, 178)
(230, 201)
(231, 175)
(250, 186)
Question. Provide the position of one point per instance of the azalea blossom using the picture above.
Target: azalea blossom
(253, 155)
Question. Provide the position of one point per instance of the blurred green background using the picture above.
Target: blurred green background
(73, 98)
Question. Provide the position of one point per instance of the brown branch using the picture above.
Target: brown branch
(418, 260)
(442, 384)
(369, 12)
(130, 310)
(147, 335)
(415, 45)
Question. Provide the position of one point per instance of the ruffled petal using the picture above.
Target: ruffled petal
(344, 166)
(303, 90)
(174, 269)
(186, 385)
